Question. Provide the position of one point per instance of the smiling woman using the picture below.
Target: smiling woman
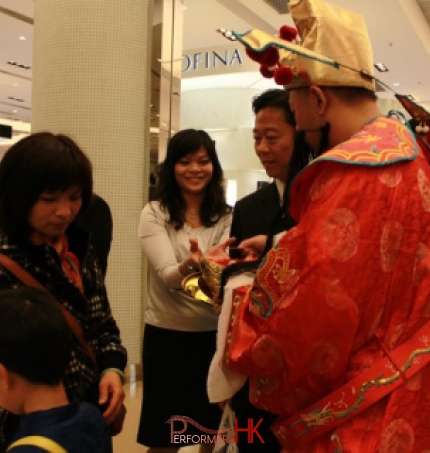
(189, 215)
(193, 173)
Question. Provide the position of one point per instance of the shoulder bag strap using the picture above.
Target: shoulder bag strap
(39, 441)
(14, 268)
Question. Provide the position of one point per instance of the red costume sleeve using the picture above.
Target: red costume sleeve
(347, 273)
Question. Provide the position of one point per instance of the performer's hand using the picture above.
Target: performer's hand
(253, 248)
(219, 253)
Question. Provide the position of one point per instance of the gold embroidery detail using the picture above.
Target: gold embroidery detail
(391, 178)
(391, 241)
(321, 416)
(424, 188)
(340, 234)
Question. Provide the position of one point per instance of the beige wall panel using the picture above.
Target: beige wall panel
(91, 81)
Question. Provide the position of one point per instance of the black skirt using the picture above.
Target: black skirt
(175, 370)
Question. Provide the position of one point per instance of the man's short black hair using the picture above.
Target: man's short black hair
(275, 98)
(35, 339)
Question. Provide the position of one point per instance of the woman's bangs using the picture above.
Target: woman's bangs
(64, 176)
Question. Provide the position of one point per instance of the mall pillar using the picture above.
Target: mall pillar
(91, 81)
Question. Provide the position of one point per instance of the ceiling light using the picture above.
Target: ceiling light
(396, 84)
(22, 38)
(14, 63)
(381, 67)
(15, 99)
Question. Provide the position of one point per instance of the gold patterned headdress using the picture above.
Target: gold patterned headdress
(335, 48)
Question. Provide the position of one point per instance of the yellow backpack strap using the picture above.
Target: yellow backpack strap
(41, 442)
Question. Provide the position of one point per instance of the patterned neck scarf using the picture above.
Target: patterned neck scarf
(69, 261)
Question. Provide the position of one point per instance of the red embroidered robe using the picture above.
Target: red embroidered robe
(352, 278)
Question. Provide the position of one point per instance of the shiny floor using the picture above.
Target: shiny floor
(126, 441)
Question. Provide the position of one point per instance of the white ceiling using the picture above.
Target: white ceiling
(398, 29)
(15, 82)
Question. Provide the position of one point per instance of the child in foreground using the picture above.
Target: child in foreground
(35, 344)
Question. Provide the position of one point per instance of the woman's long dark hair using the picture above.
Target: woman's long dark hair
(168, 192)
(38, 163)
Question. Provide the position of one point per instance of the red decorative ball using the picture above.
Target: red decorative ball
(283, 75)
(288, 33)
(266, 72)
(268, 57)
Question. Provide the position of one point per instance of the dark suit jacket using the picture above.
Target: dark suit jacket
(97, 220)
(253, 214)
(257, 213)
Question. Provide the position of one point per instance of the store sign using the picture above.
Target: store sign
(213, 61)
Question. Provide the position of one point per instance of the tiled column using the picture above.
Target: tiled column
(91, 81)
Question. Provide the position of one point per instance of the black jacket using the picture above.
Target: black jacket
(92, 310)
(97, 220)
(253, 214)
(259, 213)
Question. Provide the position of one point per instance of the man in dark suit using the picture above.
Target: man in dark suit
(97, 220)
(274, 136)
(282, 155)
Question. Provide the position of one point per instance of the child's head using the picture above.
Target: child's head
(35, 339)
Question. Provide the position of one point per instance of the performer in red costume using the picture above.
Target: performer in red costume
(319, 331)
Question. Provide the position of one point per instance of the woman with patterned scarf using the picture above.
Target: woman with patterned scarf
(45, 180)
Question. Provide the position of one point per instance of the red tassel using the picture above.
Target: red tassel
(266, 72)
(288, 33)
(283, 75)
